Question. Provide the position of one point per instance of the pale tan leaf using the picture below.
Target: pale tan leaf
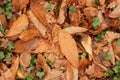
(53, 74)
(73, 30)
(18, 25)
(69, 72)
(115, 13)
(38, 25)
(68, 47)
(75, 73)
(11, 73)
(61, 16)
(87, 44)
(25, 59)
(110, 36)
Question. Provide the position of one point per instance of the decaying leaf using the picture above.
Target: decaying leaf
(68, 47)
(87, 44)
(18, 26)
(73, 30)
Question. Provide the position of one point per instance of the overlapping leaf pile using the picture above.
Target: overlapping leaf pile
(59, 39)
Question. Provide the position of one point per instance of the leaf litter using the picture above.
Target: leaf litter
(59, 39)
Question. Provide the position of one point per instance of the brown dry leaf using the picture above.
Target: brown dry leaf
(19, 4)
(54, 75)
(38, 25)
(29, 34)
(90, 12)
(84, 78)
(73, 30)
(83, 64)
(98, 72)
(116, 48)
(25, 59)
(55, 31)
(75, 18)
(75, 72)
(90, 70)
(11, 73)
(38, 8)
(18, 26)
(87, 44)
(98, 46)
(4, 43)
(69, 72)
(94, 71)
(3, 20)
(22, 46)
(61, 16)
(68, 47)
(43, 46)
(116, 12)
(110, 36)
(102, 2)
(89, 2)
(42, 62)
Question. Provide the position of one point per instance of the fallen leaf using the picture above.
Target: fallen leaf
(84, 78)
(61, 16)
(38, 25)
(42, 62)
(43, 46)
(87, 44)
(18, 26)
(11, 73)
(83, 64)
(69, 72)
(3, 20)
(115, 13)
(19, 4)
(25, 59)
(29, 34)
(68, 47)
(73, 30)
(53, 74)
